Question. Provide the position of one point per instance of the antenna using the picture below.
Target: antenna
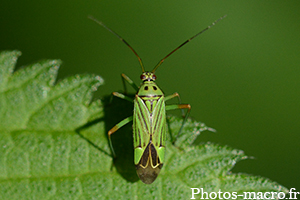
(103, 25)
(162, 60)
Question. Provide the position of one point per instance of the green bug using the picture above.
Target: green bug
(149, 117)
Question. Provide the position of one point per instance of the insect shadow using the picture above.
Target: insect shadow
(115, 110)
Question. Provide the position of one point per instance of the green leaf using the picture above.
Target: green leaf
(53, 144)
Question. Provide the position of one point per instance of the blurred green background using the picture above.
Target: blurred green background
(241, 77)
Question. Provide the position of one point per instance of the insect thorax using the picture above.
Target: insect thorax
(149, 88)
(150, 93)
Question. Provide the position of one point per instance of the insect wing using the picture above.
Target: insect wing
(158, 129)
(141, 128)
(149, 127)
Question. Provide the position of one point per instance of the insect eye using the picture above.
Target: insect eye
(154, 77)
(142, 77)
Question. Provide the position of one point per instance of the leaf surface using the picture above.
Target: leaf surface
(53, 144)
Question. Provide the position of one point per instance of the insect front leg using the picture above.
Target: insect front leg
(122, 96)
(126, 78)
(179, 100)
(115, 128)
(180, 106)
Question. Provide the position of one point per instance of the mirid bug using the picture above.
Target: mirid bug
(149, 116)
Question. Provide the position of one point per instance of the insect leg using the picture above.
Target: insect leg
(179, 101)
(122, 96)
(115, 128)
(180, 106)
(126, 78)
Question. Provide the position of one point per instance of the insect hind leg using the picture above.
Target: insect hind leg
(114, 129)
